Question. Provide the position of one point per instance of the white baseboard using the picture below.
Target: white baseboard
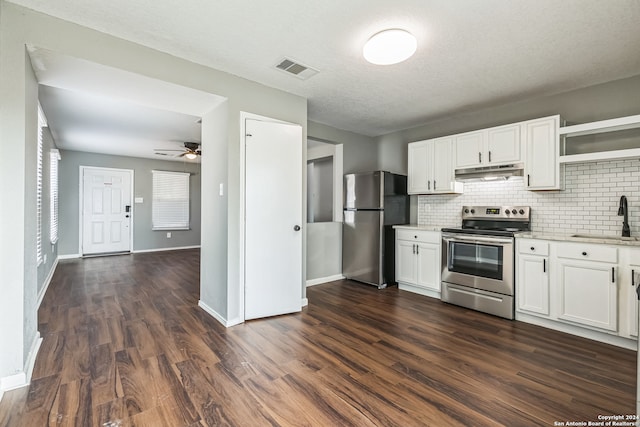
(69, 256)
(23, 378)
(213, 313)
(628, 343)
(419, 290)
(47, 282)
(305, 302)
(320, 280)
(14, 381)
(31, 358)
(165, 249)
(234, 322)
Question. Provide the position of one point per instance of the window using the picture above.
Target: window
(54, 157)
(42, 122)
(170, 204)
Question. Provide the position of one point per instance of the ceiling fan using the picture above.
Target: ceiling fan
(191, 151)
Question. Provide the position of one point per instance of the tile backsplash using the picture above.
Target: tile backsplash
(588, 205)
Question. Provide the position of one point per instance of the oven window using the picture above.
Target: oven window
(476, 259)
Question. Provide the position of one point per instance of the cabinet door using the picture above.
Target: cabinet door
(588, 293)
(406, 261)
(542, 170)
(533, 284)
(503, 145)
(419, 176)
(443, 173)
(469, 148)
(428, 268)
(632, 300)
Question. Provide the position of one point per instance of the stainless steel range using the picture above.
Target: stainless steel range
(478, 259)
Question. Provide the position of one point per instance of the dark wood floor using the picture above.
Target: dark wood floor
(126, 345)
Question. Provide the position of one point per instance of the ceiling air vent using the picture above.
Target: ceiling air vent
(295, 68)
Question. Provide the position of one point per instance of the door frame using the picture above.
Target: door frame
(81, 204)
(243, 164)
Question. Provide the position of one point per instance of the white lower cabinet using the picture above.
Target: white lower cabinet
(629, 285)
(586, 289)
(418, 261)
(532, 282)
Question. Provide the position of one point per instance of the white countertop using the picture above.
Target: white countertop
(584, 238)
(577, 237)
(419, 227)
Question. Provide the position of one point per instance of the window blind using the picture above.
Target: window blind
(170, 203)
(41, 123)
(54, 157)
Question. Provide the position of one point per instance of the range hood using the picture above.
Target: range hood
(490, 173)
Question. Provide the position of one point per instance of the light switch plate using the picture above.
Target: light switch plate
(138, 200)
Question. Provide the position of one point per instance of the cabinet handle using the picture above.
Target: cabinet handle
(413, 249)
(528, 180)
(613, 275)
(533, 248)
(544, 265)
(584, 254)
(633, 278)
(434, 185)
(429, 185)
(489, 156)
(479, 157)
(417, 250)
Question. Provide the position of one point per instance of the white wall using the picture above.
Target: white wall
(20, 27)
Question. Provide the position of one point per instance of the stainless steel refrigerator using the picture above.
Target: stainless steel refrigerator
(373, 203)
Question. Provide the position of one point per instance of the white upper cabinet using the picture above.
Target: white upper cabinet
(489, 147)
(503, 144)
(431, 167)
(542, 167)
(418, 180)
(468, 148)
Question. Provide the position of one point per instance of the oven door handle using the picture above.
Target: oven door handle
(464, 239)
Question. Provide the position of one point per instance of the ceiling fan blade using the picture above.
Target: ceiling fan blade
(162, 149)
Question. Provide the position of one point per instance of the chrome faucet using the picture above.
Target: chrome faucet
(623, 210)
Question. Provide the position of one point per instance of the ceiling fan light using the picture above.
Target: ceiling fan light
(191, 156)
(390, 47)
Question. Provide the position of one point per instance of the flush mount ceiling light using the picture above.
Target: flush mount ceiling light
(191, 156)
(390, 47)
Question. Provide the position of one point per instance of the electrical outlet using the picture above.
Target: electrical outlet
(168, 235)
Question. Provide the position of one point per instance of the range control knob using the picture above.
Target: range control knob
(513, 211)
(466, 211)
(521, 211)
(507, 211)
(473, 211)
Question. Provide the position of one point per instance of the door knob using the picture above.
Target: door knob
(126, 216)
(296, 227)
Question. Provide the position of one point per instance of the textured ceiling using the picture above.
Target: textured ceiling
(470, 54)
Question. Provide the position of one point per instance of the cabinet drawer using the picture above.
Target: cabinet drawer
(588, 252)
(418, 235)
(533, 247)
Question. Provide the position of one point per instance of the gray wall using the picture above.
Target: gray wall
(20, 27)
(617, 98)
(144, 238)
(359, 151)
(29, 331)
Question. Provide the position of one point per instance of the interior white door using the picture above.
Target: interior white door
(106, 224)
(273, 218)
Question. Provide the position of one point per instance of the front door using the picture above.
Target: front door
(273, 206)
(106, 210)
